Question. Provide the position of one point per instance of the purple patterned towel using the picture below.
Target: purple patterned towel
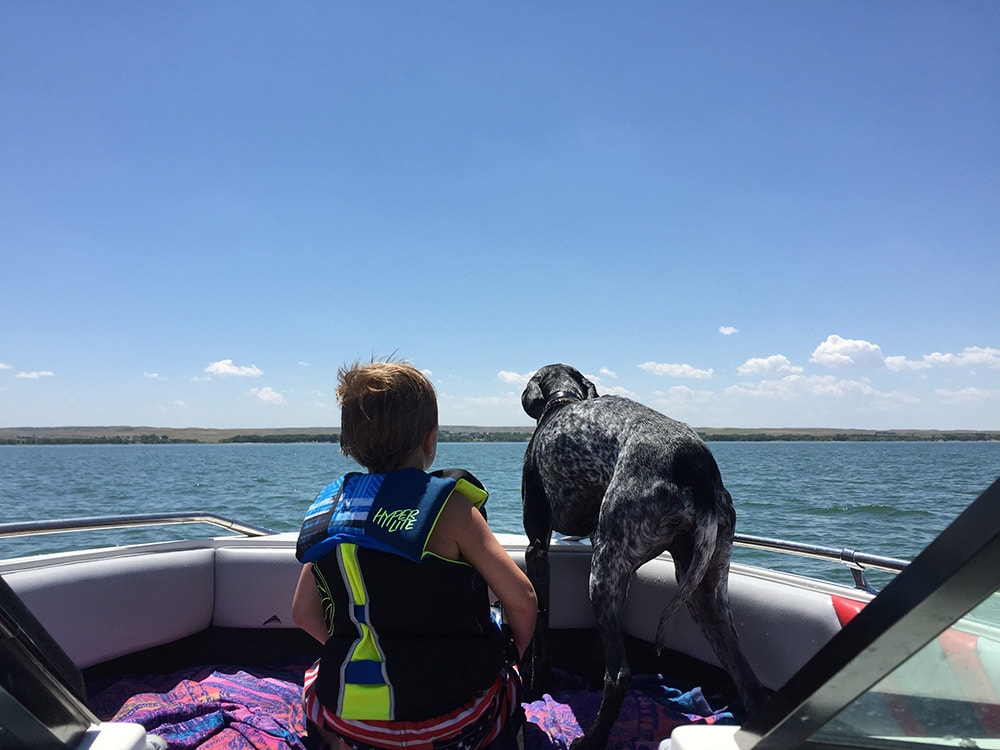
(651, 711)
(213, 708)
(231, 708)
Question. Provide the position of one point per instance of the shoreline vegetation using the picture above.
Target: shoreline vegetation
(123, 435)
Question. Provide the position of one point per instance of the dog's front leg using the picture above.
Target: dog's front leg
(537, 518)
(536, 559)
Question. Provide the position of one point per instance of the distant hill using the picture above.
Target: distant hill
(843, 435)
(448, 433)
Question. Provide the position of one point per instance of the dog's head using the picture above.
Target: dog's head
(554, 382)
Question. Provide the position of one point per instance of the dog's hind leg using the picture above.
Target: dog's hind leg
(610, 573)
(709, 606)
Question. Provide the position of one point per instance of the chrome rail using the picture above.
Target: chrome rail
(857, 562)
(56, 526)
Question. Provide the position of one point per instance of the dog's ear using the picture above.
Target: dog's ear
(533, 400)
(590, 388)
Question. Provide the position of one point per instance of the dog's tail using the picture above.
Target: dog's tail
(706, 535)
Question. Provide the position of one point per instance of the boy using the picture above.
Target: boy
(397, 565)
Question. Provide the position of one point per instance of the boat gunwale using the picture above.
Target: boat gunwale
(855, 561)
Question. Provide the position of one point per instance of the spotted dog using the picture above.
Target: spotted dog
(637, 483)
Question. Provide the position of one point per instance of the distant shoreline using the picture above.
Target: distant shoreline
(115, 435)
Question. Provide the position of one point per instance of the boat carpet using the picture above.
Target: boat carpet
(233, 708)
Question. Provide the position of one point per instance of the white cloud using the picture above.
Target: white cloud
(35, 374)
(617, 390)
(886, 400)
(303, 364)
(728, 330)
(937, 359)
(501, 409)
(829, 385)
(152, 375)
(609, 390)
(971, 356)
(514, 378)
(967, 395)
(840, 352)
(681, 397)
(267, 395)
(981, 355)
(676, 371)
(225, 367)
(968, 357)
(427, 374)
(900, 364)
(4, 367)
(797, 387)
(784, 389)
(776, 363)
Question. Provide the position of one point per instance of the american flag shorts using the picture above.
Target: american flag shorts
(474, 725)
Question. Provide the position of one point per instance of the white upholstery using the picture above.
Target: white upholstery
(122, 601)
(254, 587)
(103, 608)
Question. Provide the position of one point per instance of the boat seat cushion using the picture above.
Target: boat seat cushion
(254, 587)
(104, 608)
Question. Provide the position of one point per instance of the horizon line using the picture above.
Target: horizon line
(529, 427)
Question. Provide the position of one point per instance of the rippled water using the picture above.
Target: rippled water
(881, 498)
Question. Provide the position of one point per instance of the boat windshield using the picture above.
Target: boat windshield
(918, 666)
(946, 693)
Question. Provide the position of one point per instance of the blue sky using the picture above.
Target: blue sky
(777, 214)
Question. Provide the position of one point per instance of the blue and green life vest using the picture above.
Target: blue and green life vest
(411, 633)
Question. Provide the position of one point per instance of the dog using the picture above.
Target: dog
(637, 483)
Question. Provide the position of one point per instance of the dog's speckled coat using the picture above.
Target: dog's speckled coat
(637, 483)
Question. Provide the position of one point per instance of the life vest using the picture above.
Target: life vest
(411, 633)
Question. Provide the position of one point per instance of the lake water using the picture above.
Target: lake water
(881, 498)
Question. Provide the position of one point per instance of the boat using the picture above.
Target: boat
(915, 665)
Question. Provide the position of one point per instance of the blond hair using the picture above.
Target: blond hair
(387, 409)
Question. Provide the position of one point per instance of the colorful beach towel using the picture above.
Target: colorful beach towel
(212, 708)
(650, 712)
(231, 708)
